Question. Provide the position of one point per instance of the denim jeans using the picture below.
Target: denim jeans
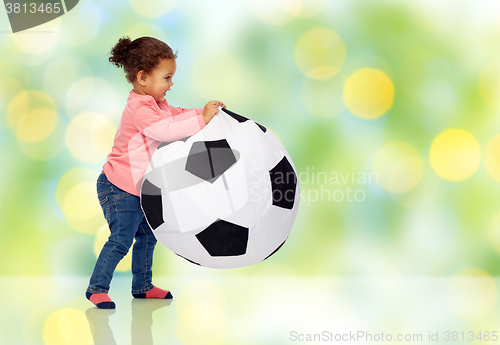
(126, 221)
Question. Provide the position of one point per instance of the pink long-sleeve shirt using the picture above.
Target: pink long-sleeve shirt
(144, 125)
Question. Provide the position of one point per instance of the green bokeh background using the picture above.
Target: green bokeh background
(434, 54)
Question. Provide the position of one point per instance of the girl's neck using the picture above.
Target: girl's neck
(138, 91)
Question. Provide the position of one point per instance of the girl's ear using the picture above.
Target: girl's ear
(141, 77)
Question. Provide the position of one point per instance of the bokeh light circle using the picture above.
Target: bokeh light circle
(9, 88)
(38, 43)
(153, 9)
(32, 115)
(368, 93)
(303, 8)
(320, 53)
(62, 73)
(47, 148)
(216, 75)
(76, 196)
(489, 84)
(95, 95)
(471, 293)
(270, 12)
(144, 29)
(100, 239)
(67, 326)
(455, 154)
(85, 24)
(399, 167)
(37, 125)
(491, 157)
(89, 137)
(76, 200)
(279, 12)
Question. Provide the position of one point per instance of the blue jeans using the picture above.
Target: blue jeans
(126, 221)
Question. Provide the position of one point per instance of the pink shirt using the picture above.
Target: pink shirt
(144, 125)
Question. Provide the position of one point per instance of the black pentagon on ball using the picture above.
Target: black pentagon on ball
(274, 251)
(284, 183)
(152, 204)
(191, 261)
(241, 119)
(163, 144)
(223, 238)
(210, 159)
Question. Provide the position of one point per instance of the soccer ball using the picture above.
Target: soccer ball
(225, 197)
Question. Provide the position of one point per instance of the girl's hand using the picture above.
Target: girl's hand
(211, 108)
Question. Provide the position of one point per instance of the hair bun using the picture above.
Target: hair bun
(119, 51)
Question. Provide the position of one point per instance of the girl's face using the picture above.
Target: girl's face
(159, 81)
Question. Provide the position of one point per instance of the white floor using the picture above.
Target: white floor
(260, 310)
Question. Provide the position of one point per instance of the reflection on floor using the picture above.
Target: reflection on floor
(253, 310)
(142, 321)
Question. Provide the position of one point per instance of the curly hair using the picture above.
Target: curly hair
(144, 53)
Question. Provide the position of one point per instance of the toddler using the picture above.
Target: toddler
(147, 121)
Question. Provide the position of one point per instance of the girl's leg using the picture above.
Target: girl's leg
(142, 258)
(142, 262)
(123, 214)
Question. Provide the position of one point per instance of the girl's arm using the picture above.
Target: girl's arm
(179, 110)
(149, 122)
(208, 112)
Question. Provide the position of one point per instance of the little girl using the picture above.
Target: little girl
(147, 121)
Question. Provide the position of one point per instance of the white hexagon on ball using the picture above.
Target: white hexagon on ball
(225, 197)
